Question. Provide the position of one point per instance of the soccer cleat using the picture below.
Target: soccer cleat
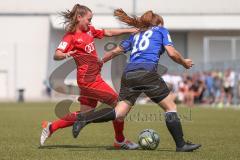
(78, 125)
(45, 132)
(126, 144)
(188, 147)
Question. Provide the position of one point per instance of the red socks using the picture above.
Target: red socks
(118, 128)
(64, 122)
(69, 119)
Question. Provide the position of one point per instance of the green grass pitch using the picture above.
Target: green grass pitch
(218, 130)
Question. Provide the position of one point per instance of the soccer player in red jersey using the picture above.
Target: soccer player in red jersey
(78, 43)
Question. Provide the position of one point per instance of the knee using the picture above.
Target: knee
(122, 110)
(120, 115)
(168, 105)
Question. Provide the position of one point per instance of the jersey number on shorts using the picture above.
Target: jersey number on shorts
(143, 43)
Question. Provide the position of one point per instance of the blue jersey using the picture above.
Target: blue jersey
(146, 48)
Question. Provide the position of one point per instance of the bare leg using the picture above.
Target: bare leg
(122, 109)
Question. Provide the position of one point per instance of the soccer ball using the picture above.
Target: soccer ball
(148, 139)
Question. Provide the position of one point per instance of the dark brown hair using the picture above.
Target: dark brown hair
(147, 20)
(71, 16)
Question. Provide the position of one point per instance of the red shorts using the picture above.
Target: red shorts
(99, 90)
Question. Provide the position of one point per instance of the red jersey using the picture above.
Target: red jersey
(86, 57)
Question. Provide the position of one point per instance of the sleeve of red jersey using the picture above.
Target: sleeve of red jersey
(97, 33)
(65, 43)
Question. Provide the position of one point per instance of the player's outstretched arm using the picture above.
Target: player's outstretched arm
(111, 54)
(177, 57)
(115, 32)
(59, 55)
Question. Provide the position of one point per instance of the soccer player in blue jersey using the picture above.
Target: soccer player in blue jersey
(140, 75)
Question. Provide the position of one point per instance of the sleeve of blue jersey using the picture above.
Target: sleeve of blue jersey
(167, 41)
(126, 44)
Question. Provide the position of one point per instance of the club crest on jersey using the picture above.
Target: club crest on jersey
(79, 40)
(89, 33)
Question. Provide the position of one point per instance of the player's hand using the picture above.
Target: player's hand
(188, 63)
(71, 53)
(134, 30)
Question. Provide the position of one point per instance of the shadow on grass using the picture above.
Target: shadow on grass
(73, 146)
(96, 147)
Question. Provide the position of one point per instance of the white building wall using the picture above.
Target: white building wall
(106, 6)
(190, 6)
(53, 6)
(25, 43)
